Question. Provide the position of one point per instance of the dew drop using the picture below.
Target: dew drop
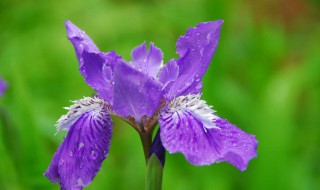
(81, 166)
(82, 34)
(71, 153)
(61, 162)
(94, 155)
(80, 183)
(201, 51)
(105, 153)
(81, 145)
(209, 36)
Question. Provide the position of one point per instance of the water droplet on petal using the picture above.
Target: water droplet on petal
(209, 36)
(105, 153)
(81, 145)
(81, 166)
(71, 153)
(61, 162)
(94, 155)
(80, 183)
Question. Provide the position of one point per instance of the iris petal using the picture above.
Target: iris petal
(168, 73)
(98, 73)
(146, 61)
(196, 49)
(190, 128)
(3, 86)
(80, 155)
(80, 40)
(158, 149)
(135, 94)
(92, 61)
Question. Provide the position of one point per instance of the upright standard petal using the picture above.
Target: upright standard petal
(135, 94)
(146, 61)
(3, 86)
(196, 49)
(80, 155)
(168, 73)
(92, 62)
(98, 72)
(189, 126)
(80, 40)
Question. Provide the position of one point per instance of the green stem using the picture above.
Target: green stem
(146, 139)
(154, 166)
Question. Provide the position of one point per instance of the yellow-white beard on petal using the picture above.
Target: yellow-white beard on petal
(94, 105)
(196, 107)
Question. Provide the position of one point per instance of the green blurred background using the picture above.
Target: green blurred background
(264, 78)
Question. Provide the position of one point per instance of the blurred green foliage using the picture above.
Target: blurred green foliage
(264, 78)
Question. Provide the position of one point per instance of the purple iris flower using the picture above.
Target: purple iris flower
(3, 86)
(145, 92)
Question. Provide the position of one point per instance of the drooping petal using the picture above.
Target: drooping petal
(146, 61)
(80, 155)
(135, 94)
(196, 49)
(168, 73)
(3, 86)
(189, 126)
